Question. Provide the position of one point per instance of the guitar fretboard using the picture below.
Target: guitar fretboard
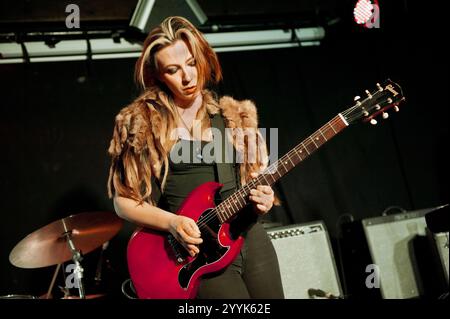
(239, 199)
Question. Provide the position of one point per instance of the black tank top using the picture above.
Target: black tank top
(190, 165)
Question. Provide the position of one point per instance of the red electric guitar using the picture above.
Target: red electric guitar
(161, 268)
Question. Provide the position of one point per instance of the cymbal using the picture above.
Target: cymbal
(48, 245)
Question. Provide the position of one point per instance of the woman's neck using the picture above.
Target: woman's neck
(192, 107)
(187, 120)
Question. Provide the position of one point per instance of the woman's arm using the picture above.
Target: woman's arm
(184, 229)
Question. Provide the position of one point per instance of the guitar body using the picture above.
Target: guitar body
(152, 261)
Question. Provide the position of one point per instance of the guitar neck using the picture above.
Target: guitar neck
(239, 199)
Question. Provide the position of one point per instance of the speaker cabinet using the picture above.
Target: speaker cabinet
(441, 241)
(392, 241)
(409, 261)
(306, 260)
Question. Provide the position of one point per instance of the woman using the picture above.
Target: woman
(175, 110)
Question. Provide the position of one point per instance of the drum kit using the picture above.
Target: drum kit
(63, 240)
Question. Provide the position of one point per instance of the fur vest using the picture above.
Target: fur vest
(140, 129)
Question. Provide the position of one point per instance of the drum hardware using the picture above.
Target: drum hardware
(98, 272)
(52, 283)
(76, 257)
(14, 296)
(63, 240)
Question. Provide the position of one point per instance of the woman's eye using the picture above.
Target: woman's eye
(191, 63)
(171, 70)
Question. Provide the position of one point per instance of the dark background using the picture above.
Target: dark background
(57, 120)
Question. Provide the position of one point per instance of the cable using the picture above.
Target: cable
(131, 287)
(339, 248)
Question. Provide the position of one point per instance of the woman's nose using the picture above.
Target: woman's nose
(186, 76)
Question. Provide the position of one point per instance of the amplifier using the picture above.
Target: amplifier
(306, 261)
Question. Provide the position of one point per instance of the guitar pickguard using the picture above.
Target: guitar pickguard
(210, 250)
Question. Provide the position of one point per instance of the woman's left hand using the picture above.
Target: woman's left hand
(262, 197)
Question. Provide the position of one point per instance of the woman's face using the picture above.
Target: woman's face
(178, 71)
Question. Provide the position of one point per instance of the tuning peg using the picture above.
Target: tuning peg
(377, 107)
(373, 122)
(379, 87)
(389, 100)
(356, 98)
(368, 94)
(385, 115)
(396, 109)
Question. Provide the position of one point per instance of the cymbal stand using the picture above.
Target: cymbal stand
(76, 257)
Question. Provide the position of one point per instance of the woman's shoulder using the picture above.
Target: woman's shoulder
(132, 115)
(140, 108)
(134, 122)
(242, 112)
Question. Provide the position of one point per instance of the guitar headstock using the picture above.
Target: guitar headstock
(388, 95)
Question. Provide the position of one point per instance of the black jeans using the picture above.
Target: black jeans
(254, 273)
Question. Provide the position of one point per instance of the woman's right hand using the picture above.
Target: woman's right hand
(186, 232)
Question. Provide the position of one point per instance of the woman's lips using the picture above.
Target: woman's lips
(190, 89)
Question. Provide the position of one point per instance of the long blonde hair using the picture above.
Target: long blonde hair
(130, 171)
(169, 31)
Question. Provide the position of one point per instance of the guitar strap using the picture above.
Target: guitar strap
(227, 169)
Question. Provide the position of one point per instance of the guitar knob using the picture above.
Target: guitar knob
(373, 122)
(396, 109)
(385, 115)
(356, 98)
(368, 94)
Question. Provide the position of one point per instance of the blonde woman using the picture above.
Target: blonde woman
(174, 112)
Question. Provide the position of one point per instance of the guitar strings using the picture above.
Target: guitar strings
(213, 213)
